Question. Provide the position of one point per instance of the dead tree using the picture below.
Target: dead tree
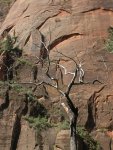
(71, 110)
(81, 73)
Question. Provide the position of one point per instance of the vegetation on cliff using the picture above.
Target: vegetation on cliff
(109, 42)
(37, 115)
(4, 8)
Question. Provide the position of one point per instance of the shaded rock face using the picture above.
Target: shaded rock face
(77, 28)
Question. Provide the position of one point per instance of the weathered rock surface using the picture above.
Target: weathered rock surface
(4, 8)
(62, 140)
(77, 28)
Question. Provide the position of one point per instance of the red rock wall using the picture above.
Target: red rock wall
(77, 28)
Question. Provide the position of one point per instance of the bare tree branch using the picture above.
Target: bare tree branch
(71, 83)
(67, 57)
(65, 70)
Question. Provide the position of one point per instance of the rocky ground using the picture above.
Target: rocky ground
(78, 29)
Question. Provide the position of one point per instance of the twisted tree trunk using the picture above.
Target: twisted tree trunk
(73, 115)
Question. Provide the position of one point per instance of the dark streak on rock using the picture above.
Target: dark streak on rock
(25, 9)
(27, 39)
(92, 111)
(95, 9)
(15, 133)
(27, 16)
(90, 10)
(46, 20)
(5, 105)
(61, 39)
(17, 124)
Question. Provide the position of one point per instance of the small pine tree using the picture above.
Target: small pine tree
(9, 54)
(8, 46)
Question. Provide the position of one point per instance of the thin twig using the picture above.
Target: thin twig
(67, 57)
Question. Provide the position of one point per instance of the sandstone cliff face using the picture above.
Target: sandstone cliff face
(77, 28)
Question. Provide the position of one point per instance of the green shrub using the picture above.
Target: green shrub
(7, 46)
(20, 88)
(38, 123)
(24, 61)
(109, 42)
(31, 97)
(63, 125)
(16, 87)
(85, 136)
(5, 1)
